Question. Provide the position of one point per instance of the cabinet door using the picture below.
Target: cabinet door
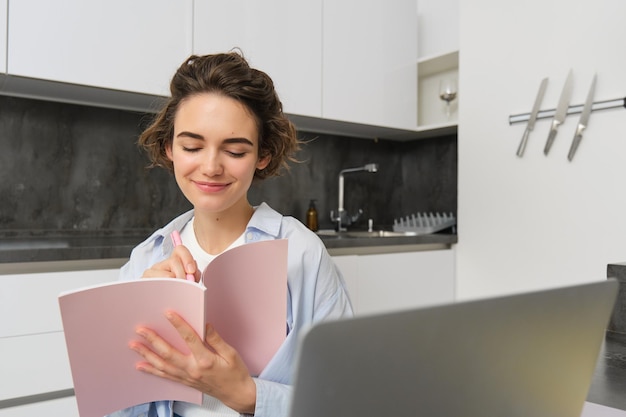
(38, 365)
(370, 62)
(132, 46)
(32, 299)
(33, 336)
(396, 281)
(3, 37)
(438, 27)
(279, 37)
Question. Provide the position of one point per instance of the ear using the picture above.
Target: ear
(168, 152)
(263, 162)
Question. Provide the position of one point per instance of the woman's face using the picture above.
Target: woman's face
(215, 152)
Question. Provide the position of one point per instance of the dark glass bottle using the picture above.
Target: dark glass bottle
(311, 217)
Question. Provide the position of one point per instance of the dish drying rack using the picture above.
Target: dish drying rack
(424, 223)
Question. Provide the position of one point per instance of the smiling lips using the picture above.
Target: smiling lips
(210, 187)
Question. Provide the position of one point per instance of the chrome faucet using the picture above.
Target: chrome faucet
(342, 218)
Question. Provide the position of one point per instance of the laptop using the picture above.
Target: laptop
(525, 355)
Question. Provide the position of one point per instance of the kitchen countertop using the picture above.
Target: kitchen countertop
(47, 246)
(343, 245)
(44, 246)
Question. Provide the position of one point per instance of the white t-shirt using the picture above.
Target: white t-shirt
(203, 258)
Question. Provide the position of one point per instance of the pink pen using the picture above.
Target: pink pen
(177, 242)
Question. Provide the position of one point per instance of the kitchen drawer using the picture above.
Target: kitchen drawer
(31, 300)
(65, 407)
(34, 364)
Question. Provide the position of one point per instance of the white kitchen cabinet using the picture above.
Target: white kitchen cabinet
(348, 60)
(438, 27)
(33, 369)
(33, 339)
(280, 37)
(370, 62)
(395, 281)
(3, 38)
(114, 44)
(438, 52)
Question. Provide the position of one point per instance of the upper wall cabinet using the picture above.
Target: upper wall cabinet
(3, 36)
(438, 27)
(438, 50)
(348, 61)
(115, 44)
(280, 37)
(370, 62)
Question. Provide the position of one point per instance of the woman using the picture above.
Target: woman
(222, 128)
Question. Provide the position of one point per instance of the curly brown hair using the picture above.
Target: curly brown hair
(228, 74)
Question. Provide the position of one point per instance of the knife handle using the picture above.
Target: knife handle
(574, 147)
(522, 144)
(577, 138)
(550, 140)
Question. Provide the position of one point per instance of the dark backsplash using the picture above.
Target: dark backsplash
(70, 167)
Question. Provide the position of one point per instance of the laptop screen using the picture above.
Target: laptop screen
(526, 355)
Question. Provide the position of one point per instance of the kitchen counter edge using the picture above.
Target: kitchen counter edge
(104, 256)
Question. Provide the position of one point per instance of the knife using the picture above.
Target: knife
(561, 112)
(583, 121)
(533, 117)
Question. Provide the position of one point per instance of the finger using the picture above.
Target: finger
(158, 272)
(185, 263)
(149, 368)
(152, 364)
(173, 267)
(158, 353)
(188, 334)
(219, 345)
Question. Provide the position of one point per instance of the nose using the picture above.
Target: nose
(212, 164)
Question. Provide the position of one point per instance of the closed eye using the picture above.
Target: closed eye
(191, 150)
(236, 154)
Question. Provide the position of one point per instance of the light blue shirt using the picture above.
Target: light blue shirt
(316, 292)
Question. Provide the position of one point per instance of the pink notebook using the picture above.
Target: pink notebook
(245, 300)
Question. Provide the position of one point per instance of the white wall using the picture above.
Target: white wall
(538, 221)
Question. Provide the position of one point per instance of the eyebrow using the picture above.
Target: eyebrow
(229, 140)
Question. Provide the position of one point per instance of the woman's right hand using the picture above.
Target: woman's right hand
(178, 265)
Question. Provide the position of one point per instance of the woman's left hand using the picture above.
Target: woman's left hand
(212, 366)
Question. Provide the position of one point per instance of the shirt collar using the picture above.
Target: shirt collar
(266, 220)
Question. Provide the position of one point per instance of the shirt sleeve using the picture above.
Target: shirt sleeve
(273, 399)
(331, 300)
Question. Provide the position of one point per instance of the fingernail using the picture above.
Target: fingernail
(169, 315)
(141, 332)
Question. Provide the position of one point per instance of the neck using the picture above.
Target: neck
(217, 231)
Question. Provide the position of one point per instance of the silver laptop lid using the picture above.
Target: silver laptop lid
(526, 355)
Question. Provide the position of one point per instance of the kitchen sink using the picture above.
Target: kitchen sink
(364, 233)
(379, 233)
